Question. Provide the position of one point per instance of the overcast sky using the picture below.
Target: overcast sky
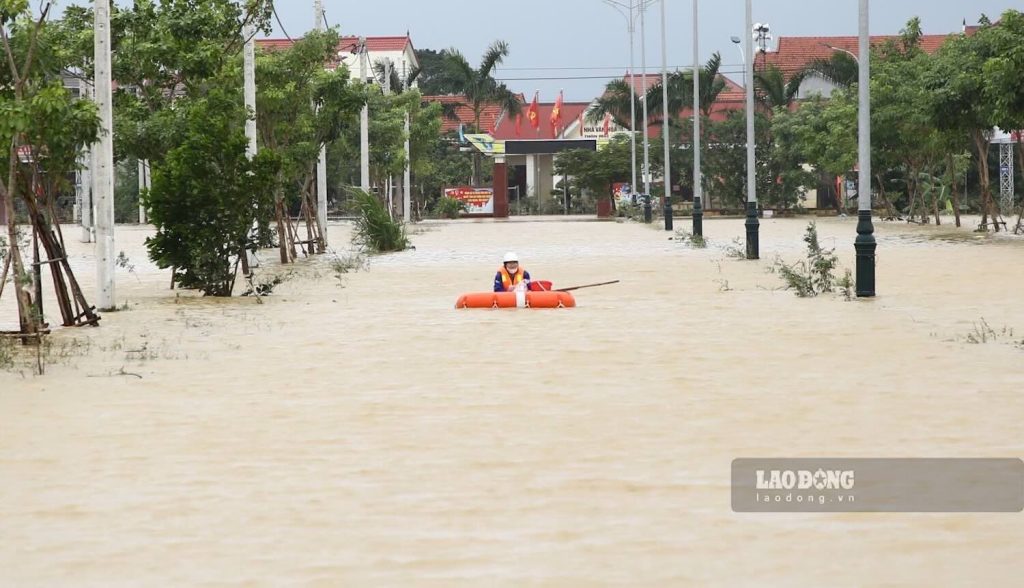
(589, 38)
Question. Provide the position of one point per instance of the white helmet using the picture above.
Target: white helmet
(510, 256)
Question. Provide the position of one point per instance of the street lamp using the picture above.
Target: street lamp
(698, 208)
(643, 73)
(743, 58)
(665, 127)
(627, 12)
(834, 48)
(864, 244)
(752, 224)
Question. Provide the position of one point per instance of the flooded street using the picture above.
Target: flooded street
(367, 433)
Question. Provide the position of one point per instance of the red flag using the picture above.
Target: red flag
(532, 112)
(607, 124)
(519, 124)
(556, 115)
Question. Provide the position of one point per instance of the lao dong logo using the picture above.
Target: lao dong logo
(804, 479)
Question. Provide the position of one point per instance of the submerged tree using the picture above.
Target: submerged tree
(205, 195)
(302, 108)
(44, 131)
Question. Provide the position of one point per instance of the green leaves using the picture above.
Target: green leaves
(206, 195)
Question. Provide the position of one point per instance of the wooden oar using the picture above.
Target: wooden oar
(587, 286)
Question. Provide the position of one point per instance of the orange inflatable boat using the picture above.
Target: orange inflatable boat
(549, 299)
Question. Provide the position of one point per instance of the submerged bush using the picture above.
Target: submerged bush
(375, 230)
(449, 207)
(813, 276)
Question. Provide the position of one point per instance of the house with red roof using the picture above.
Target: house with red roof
(793, 54)
(398, 50)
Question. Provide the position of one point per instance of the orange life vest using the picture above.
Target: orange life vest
(508, 280)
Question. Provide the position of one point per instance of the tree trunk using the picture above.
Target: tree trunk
(27, 320)
(889, 206)
(988, 208)
(283, 236)
(1019, 229)
(477, 162)
(952, 184)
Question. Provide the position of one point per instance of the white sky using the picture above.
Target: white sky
(590, 34)
(587, 39)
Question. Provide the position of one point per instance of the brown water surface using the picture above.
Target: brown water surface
(372, 435)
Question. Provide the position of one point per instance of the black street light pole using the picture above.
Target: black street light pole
(698, 196)
(865, 244)
(752, 224)
(665, 125)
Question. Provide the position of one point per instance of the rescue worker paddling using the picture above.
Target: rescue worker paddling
(510, 276)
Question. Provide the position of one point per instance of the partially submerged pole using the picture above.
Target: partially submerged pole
(321, 164)
(364, 124)
(249, 66)
(104, 169)
(752, 224)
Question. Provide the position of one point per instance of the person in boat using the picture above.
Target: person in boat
(511, 276)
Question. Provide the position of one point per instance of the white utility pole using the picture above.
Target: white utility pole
(643, 73)
(407, 180)
(104, 170)
(85, 184)
(321, 164)
(249, 67)
(144, 184)
(387, 92)
(364, 124)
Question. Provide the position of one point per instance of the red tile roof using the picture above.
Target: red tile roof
(376, 43)
(570, 113)
(346, 44)
(795, 53)
(464, 114)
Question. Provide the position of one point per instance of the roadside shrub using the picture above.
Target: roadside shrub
(814, 275)
(449, 207)
(376, 231)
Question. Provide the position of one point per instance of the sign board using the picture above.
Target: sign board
(477, 200)
(623, 193)
(485, 143)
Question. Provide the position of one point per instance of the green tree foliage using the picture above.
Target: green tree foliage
(955, 87)
(597, 171)
(166, 50)
(39, 117)
(821, 133)
(433, 79)
(840, 68)
(206, 194)
(302, 108)
(773, 90)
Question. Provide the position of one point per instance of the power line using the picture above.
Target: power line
(595, 68)
(278, 19)
(555, 78)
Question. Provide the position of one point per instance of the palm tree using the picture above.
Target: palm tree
(774, 90)
(680, 89)
(480, 88)
(840, 69)
(615, 102)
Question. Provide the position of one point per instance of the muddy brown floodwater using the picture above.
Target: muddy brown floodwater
(372, 435)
